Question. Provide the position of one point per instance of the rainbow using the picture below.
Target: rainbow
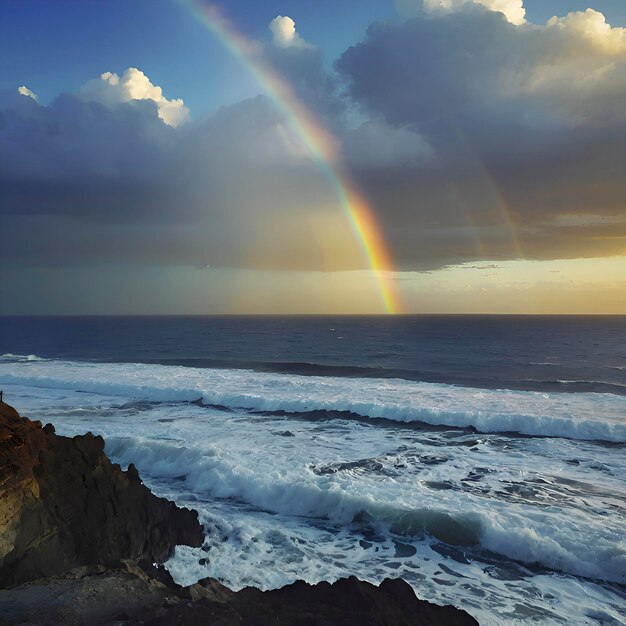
(497, 196)
(321, 145)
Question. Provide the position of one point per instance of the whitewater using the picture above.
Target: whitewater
(507, 503)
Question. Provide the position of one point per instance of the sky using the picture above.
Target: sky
(289, 156)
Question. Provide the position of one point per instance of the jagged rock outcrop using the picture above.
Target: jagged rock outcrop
(64, 504)
(348, 601)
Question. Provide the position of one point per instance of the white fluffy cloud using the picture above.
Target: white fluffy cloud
(513, 10)
(25, 91)
(284, 33)
(111, 89)
(589, 29)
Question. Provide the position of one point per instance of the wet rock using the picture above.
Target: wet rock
(403, 550)
(285, 433)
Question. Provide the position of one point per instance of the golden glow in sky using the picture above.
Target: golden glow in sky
(571, 286)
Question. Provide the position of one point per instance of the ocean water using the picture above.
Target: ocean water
(482, 459)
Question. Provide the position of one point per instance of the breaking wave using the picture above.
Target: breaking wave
(585, 416)
(593, 552)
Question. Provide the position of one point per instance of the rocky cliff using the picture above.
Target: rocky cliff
(64, 504)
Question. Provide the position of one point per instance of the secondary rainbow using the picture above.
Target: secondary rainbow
(319, 142)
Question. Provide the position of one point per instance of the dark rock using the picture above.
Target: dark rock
(87, 595)
(285, 433)
(348, 601)
(403, 550)
(127, 592)
(64, 504)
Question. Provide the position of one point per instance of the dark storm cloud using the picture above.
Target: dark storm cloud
(303, 67)
(527, 123)
(87, 182)
(81, 158)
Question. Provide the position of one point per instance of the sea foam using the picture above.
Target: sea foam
(526, 535)
(528, 525)
(585, 416)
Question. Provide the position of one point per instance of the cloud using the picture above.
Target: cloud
(589, 29)
(96, 178)
(513, 10)
(379, 145)
(526, 124)
(473, 138)
(474, 68)
(284, 33)
(111, 89)
(302, 66)
(25, 91)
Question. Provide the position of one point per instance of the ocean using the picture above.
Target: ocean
(480, 458)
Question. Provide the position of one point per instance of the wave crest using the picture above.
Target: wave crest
(586, 416)
(530, 540)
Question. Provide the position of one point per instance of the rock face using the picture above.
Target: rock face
(79, 538)
(64, 504)
(128, 594)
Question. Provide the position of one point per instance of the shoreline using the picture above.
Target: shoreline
(84, 542)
